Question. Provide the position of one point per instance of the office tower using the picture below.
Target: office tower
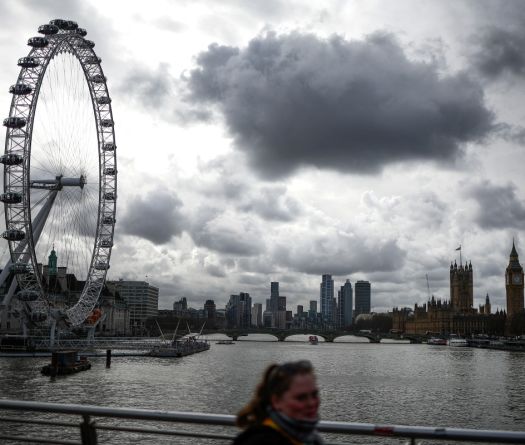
(299, 309)
(268, 305)
(210, 309)
(181, 305)
(312, 312)
(268, 319)
(345, 304)
(362, 297)
(274, 296)
(257, 315)
(142, 299)
(239, 311)
(326, 298)
(282, 303)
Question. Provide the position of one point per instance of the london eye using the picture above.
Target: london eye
(60, 175)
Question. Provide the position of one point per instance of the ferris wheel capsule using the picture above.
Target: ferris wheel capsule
(14, 122)
(81, 32)
(97, 78)
(48, 29)
(11, 159)
(100, 265)
(38, 42)
(109, 147)
(20, 89)
(70, 25)
(14, 235)
(27, 295)
(106, 243)
(104, 100)
(59, 23)
(108, 220)
(28, 62)
(11, 198)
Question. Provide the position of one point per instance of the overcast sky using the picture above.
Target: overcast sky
(278, 140)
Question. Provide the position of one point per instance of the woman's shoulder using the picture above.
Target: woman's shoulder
(260, 435)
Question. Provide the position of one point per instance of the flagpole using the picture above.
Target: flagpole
(460, 259)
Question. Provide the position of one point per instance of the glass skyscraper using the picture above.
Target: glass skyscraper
(327, 298)
(362, 297)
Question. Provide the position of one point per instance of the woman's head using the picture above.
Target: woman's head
(289, 388)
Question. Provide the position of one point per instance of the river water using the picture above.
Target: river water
(359, 382)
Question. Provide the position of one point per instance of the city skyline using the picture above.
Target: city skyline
(280, 141)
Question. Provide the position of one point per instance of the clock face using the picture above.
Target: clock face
(516, 278)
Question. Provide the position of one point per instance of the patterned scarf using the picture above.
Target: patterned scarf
(301, 430)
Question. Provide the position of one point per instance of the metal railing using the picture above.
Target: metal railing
(91, 423)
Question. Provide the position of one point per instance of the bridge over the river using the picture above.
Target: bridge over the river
(329, 336)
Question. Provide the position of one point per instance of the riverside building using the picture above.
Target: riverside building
(142, 299)
(345, 303)
(458, 316)
(362, 298)
(326, 297)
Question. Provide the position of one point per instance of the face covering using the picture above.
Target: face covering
(302, 430)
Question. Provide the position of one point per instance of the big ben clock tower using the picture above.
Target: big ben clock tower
(514, 284)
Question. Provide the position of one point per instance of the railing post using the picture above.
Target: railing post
(88, 432)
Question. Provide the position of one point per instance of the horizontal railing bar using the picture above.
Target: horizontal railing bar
(164, 432)
(39, 440)
(422, 432)
(123, 413)
(40, 422)
(457, 434)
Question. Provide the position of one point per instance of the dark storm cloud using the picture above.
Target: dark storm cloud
(226, 234)
(497, 46)
(342, 255)
(155, 217)
(298, 100)
(501, 51)
(498, 207)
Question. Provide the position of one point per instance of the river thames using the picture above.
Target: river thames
(359, 382)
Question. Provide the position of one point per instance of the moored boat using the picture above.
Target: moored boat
(436, 341)
(65, 362)
(180, 348)
(187, 345)
(458, 342)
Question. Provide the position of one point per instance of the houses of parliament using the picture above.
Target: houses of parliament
(458, 315)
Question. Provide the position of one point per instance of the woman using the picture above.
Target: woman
(283, 409)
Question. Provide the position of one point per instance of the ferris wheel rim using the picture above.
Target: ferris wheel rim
(59, 36)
